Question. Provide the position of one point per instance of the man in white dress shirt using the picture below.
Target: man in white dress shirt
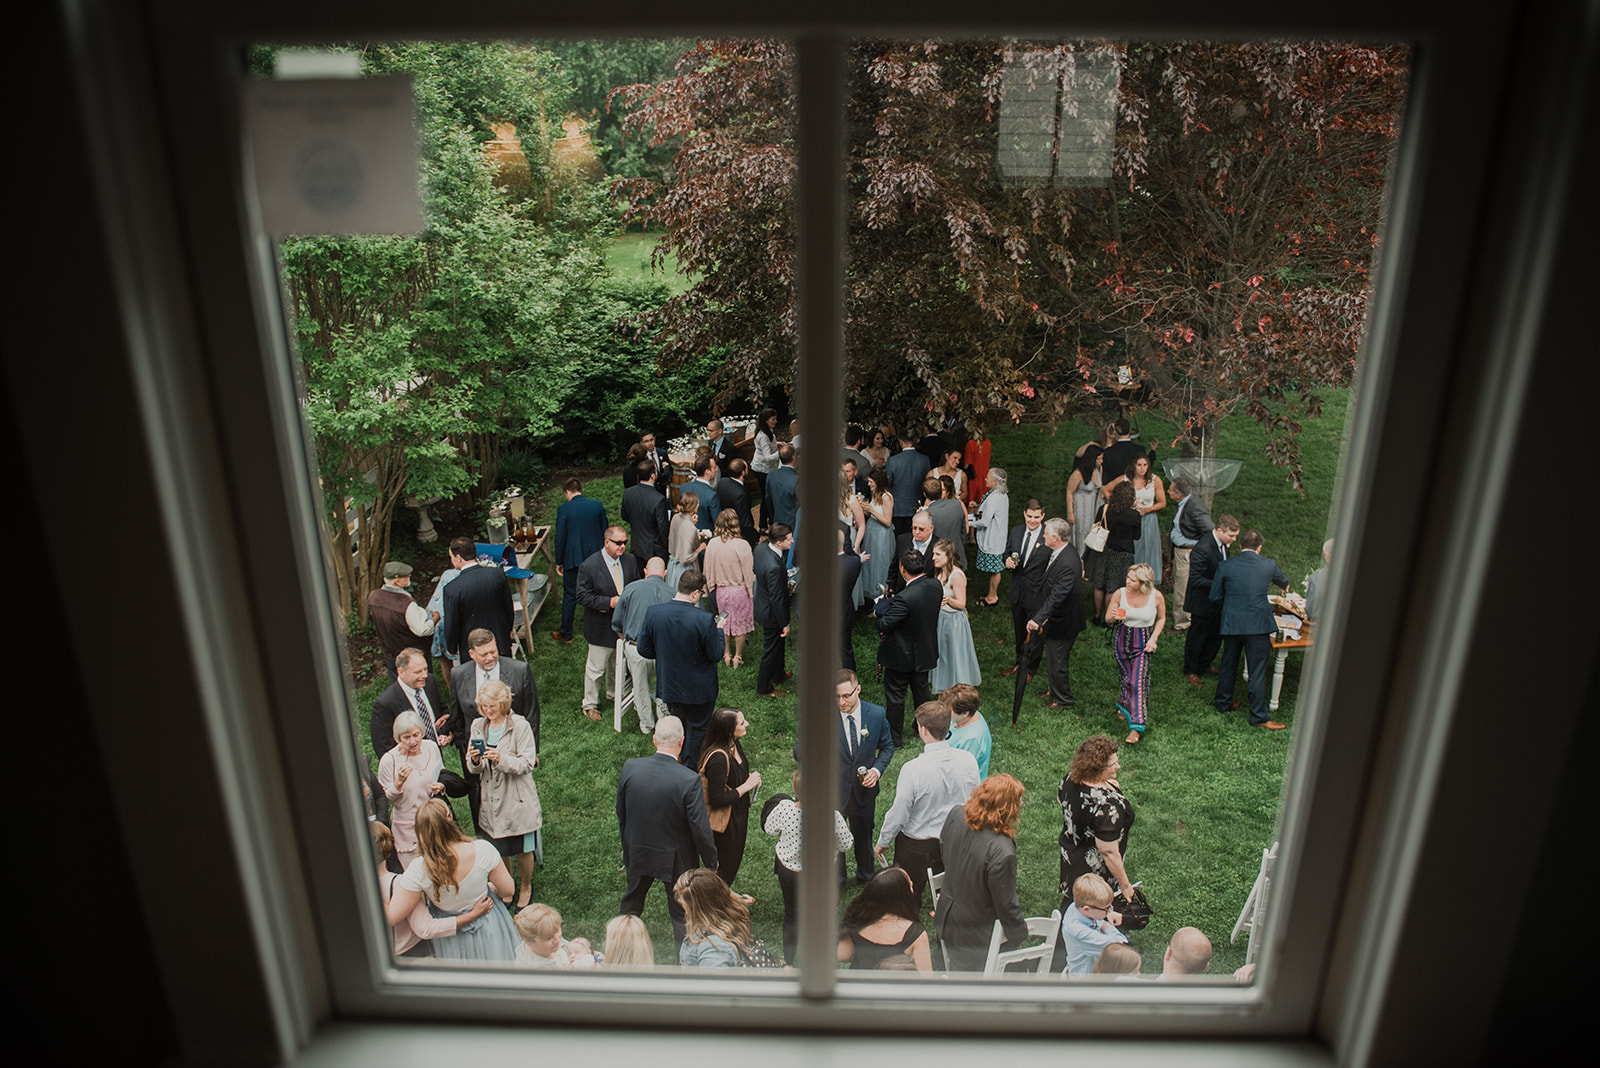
(930, 785)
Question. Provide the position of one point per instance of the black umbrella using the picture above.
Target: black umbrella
(1024, 658)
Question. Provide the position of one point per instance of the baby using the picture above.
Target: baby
(542, 944)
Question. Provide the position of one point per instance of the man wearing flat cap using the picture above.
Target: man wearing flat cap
(400, 620)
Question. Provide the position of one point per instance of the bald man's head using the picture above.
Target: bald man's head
(1189, 953)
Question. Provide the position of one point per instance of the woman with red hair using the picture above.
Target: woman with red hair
(979, 848)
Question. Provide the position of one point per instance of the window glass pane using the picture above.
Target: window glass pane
(463, 382)
(1048, 236)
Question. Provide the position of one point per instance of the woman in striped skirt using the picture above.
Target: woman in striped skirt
(1139, 612)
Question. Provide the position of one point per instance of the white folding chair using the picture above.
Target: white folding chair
(1255, 906)
(620, 682)
(936, 881)
(1046, 927)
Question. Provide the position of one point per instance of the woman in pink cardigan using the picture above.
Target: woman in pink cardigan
(731, 578)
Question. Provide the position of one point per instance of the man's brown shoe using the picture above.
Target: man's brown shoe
(1213, 670)
(1273, 725)
(557, 636)
(1194, 680)
(592, 713)
(1012, 670)
(1237, 701)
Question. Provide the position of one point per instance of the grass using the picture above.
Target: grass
(629, 258)
(1205, 788)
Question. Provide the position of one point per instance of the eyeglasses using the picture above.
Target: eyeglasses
(616, 541)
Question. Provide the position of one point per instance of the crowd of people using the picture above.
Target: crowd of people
(705, 570)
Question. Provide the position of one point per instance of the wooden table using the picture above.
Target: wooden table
(1283, 648)
(527, 562)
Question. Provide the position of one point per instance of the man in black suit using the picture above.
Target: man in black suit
(732, 493)
(722, 453)
(644, 509)
(909, 623)
(1060, 616)
(1204, 637)
(849, 573)
(478, 597)
(414, 690)
(600, 582)
(687, 646)
(1241, 588)
(1026, 558)
(657, 458)
(920, 541)
(1122, 452)
(772, 607)
(662, 820)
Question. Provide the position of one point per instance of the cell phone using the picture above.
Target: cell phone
(479, 745)
(721, 619)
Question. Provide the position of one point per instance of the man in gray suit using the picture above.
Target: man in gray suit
(1190, 523)
(906, 470)
(662, 820)
(487, 665)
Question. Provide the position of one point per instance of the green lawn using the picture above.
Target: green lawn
(1205, 787)
(629, 257)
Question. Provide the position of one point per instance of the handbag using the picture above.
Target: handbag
(757, 955)
(1096, 538)
(1136, 914)
(719, 816)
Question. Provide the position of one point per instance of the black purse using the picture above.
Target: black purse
(1136, 913)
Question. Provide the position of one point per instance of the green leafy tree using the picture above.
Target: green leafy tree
(420, 354)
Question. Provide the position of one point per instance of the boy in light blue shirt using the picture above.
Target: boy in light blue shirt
(1089, 924)
(968, 729)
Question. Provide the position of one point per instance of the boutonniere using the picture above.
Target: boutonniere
(863, 732)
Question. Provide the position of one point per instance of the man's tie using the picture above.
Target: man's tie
(851, 720)
(1027, 545)
(427, 716)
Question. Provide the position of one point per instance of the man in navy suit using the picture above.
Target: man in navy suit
(478, 597)
(601, 579)
(731, 493)
(1060, 614)
(909, 623)
(662, 821)
(865, 742)
(1241, 587)
(686, 645)
(706, 518)
(906, 470)
(772, 606)
(1026, 559)
(580, 531)
(1204, 637)
(783, 489)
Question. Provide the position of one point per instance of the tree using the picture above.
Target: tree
(1221, 252)
(420, 353)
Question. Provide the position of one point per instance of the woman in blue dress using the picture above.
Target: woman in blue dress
(878, 546)
(958, 661)
(1150, 497)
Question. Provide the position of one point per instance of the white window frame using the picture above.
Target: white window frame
(216, 409)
